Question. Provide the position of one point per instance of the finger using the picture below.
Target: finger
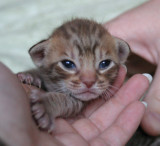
(62, 126)
(131, 91)
(97, 103)
(123, 128)
(86, 128)
(120, 78)
(151, 120)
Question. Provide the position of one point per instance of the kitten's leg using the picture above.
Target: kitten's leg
(47, 106)
(30, 77)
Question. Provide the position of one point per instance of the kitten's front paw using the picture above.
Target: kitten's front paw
(29, 79)
(42, 117)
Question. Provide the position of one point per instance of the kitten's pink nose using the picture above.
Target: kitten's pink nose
(88, 77)
(89, 83)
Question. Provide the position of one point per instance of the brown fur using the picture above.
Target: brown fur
(85, 43)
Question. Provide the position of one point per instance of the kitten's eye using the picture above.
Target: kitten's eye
(68, 64)
(104, 64)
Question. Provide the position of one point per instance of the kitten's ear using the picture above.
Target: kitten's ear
(38, 52)
(123, 49)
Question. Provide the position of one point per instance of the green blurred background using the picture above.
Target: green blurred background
(25, 22)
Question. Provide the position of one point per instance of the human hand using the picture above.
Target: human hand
(140, 28)
(103, 123)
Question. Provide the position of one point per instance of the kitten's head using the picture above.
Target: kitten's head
(80, 58)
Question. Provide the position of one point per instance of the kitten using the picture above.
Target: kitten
(77, 63)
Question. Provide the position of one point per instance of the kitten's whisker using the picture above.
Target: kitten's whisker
(114, 87)
(110, 91)
(105, 95)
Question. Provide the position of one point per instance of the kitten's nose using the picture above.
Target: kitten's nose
(88, 78)
(89, 83)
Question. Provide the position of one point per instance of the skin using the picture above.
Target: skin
(99, 124)
(140, 28)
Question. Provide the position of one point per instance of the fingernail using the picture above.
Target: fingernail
(149, 77)
(124, 66)
(144, 103)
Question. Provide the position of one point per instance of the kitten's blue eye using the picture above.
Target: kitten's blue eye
(68, 64)
(104, 64)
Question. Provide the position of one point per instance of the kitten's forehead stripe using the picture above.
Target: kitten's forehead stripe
(73, 29)
(94, 47)
(78, 47)
(65, 54)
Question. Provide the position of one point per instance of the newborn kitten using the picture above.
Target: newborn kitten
(77, 63)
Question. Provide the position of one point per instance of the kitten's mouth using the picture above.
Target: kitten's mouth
(85, 92)
(86, 95)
